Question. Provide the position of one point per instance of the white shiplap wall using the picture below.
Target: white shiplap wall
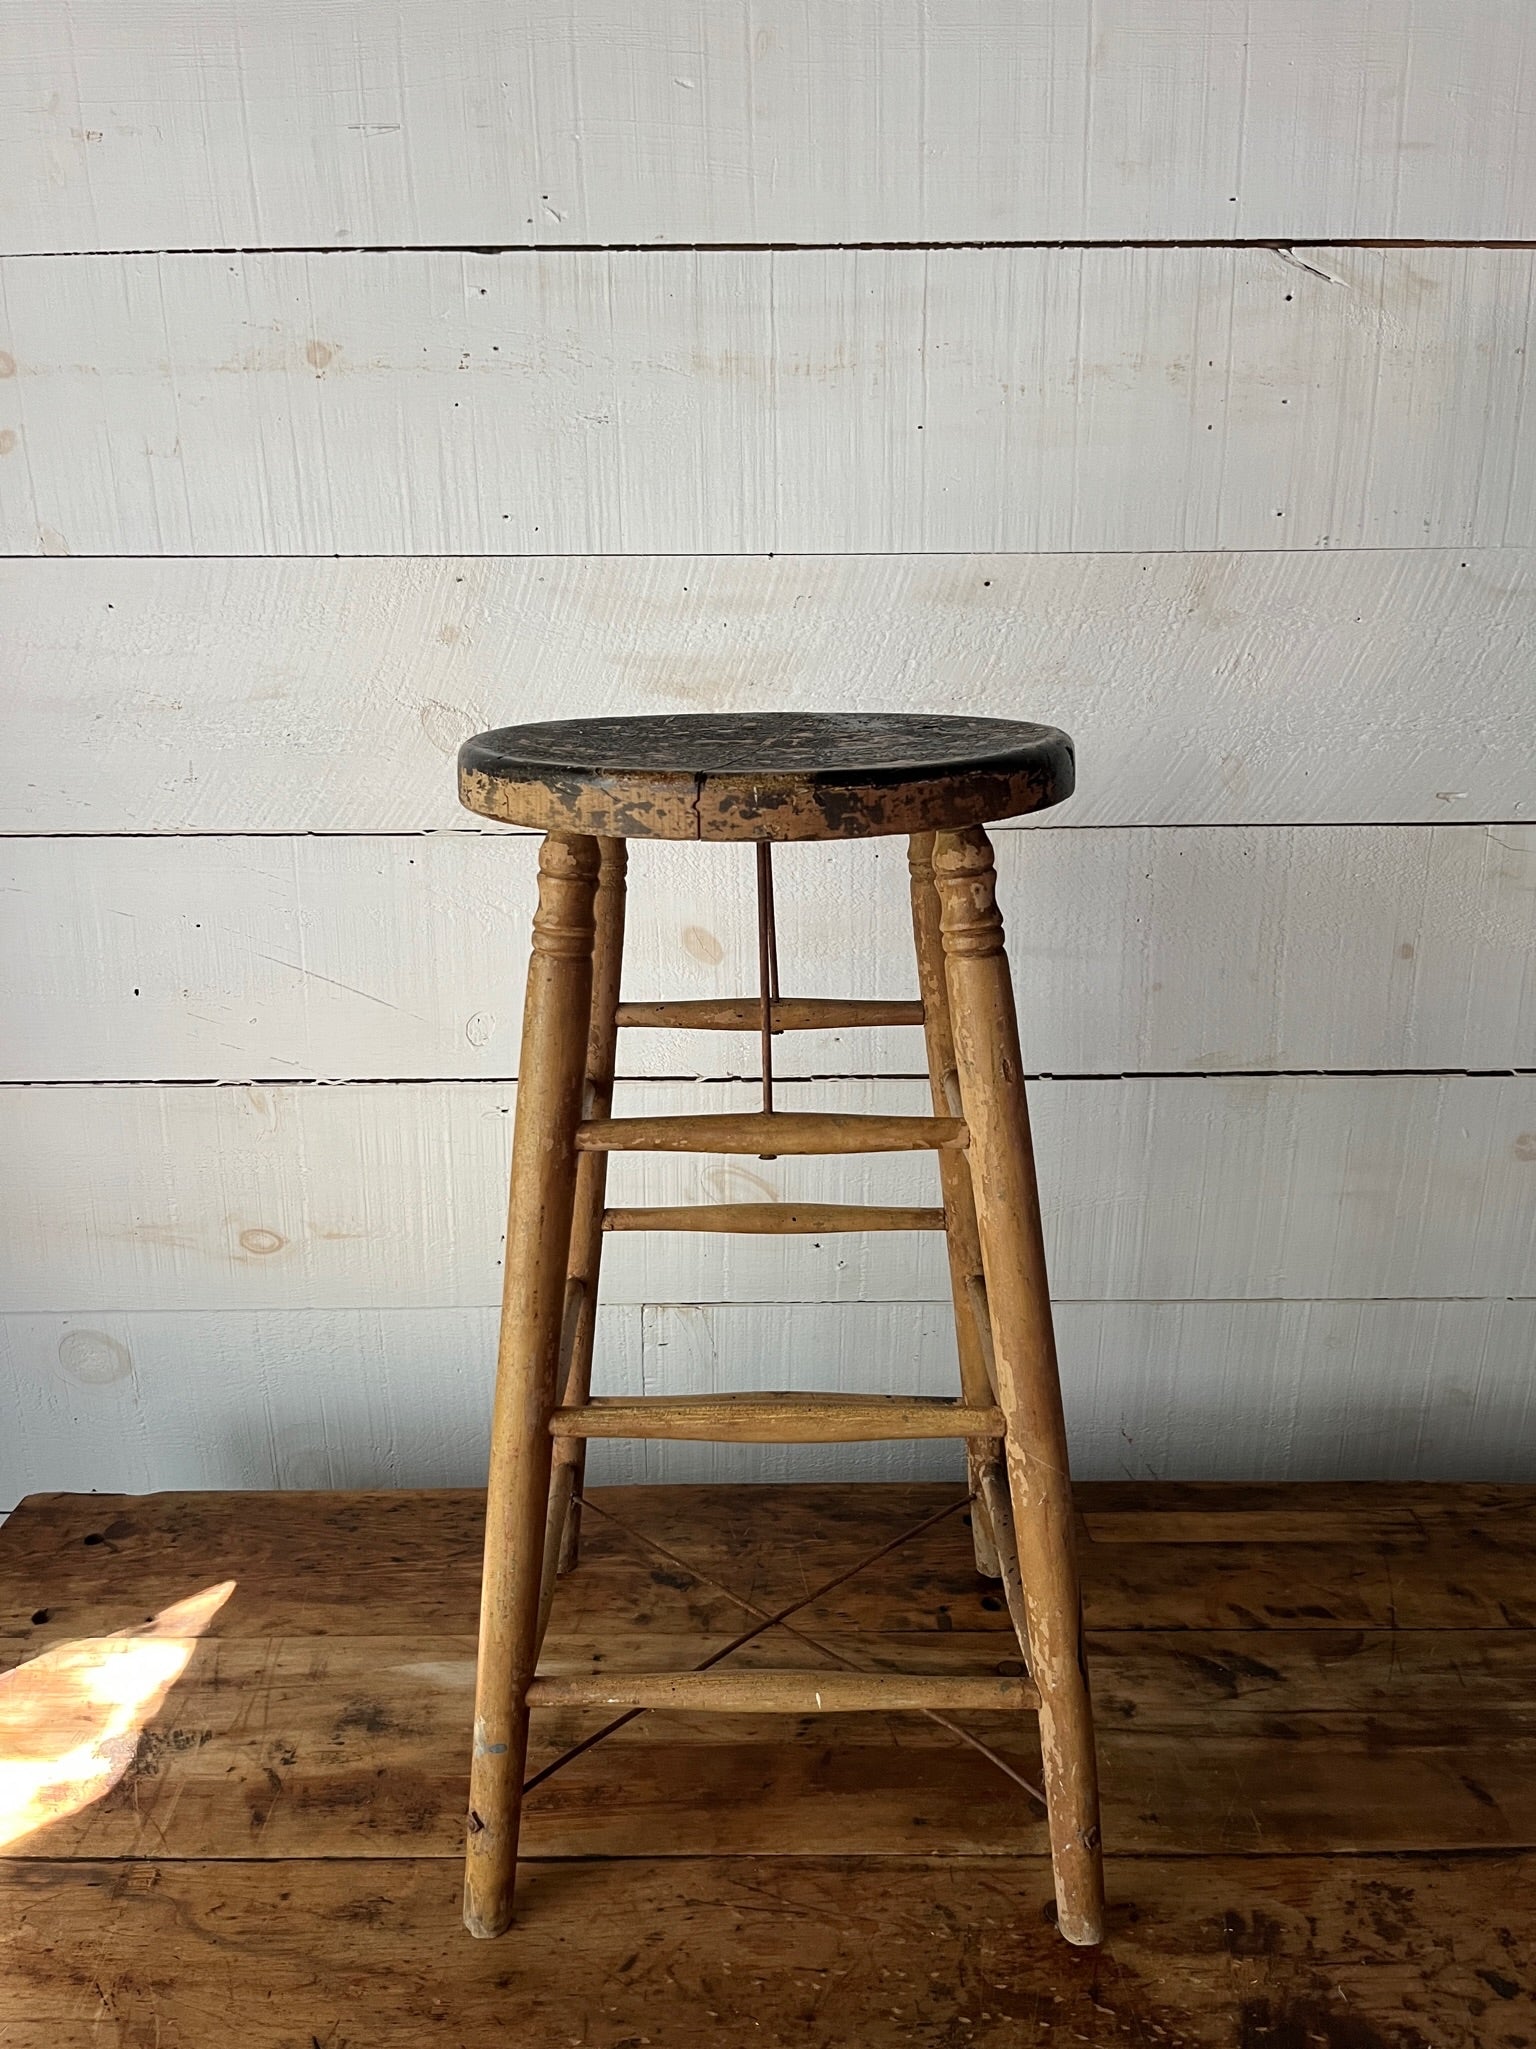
(372, 375)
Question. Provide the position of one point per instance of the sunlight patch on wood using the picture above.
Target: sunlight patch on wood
(70, 1719)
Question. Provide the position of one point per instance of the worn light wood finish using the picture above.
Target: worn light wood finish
(574, 125)
(780, 1418)
(771, 1133)
(786, 1014)
(762, 778)
(437, 402)
(990, 1498)
(776, 1218)
(556, 1021)
(289, 1829)
(962, 1245)
(782, 1692)
(1001, 1163)
(562, 1534)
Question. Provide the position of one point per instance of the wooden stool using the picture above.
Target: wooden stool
(589, 785)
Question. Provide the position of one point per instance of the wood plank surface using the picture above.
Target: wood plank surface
(1161, 949)
(331, 1743)
(869, 1785)
(394, 1397)
(339, 1747)
(102, 1562)
(229, 696)
(125, 128)
(1319, 1833)
(737, 401)
(390, 1196)
(1214, 1953)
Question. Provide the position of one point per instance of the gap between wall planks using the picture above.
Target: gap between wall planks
(661, 125)
(392, 1194)
(313, 696)
(848, 400)
(1145, 950)
(1153, 952)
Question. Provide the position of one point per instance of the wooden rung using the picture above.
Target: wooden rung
(774, 1133)
(771, 1217)
(785, 1692)
(778, 1418)
(788, 1014)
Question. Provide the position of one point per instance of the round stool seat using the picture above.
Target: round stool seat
(764, 775)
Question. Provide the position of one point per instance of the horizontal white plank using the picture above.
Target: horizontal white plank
(1153, 1390)
(1204, 950)
(143, 124)
(324, 1398)
(392, 1195)
(824, 400)
(401, 1397)
(307, 696)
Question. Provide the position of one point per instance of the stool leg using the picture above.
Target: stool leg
(955, 1182)
(549, 1089)
(562, 1532)
(1028, 1388)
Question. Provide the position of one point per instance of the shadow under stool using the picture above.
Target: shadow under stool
(589, 785)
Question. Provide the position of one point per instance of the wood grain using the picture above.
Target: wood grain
(557, 1018)
(1022, 1363)
(787, 1014)
(772, 1135)
(890, 1785)
(775, 1418)
(228, 696)
(312, 1724)
(739, 401)
(1327, 1563)
(975, 1354)
(1227, 1953)
(812, 1691)
(774, 1218)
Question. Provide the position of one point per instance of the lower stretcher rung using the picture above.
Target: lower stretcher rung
(786, 1692)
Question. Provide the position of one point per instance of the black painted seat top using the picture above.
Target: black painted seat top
(765, 775)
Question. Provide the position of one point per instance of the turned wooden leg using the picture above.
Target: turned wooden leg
(1024, 1358)
(562, 1532)
(549, 1091)
(955, 1182)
